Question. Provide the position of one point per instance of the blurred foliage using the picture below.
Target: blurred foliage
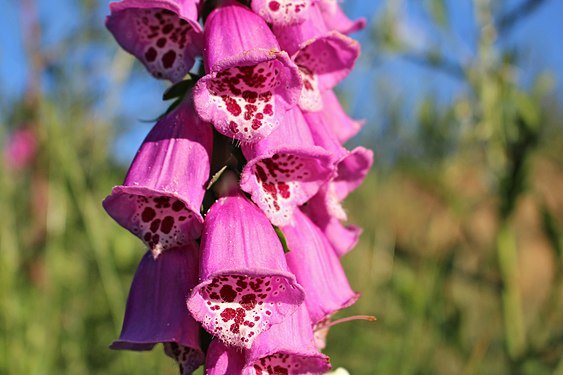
(460, 259)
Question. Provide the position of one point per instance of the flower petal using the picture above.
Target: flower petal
(282, 12)
(251, 83)
(317, 268)
(246, 284)
(285, 169)
(288, 348)
(335, 19)
(156, 312)
(163, 34)
(160, 199)
(334, 118)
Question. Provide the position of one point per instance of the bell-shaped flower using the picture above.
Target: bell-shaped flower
(163, 34)
(324, 57)
(335, 19)
(250, 83)
(160, 199)
(317, 268)
(351, 169)
(325, 210)
(156, 311)
(282, 12)
(286, 348)
(285, 169)
(334, 118)
(246, 285)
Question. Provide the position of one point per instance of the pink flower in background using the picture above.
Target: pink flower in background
(20, 149)
(163, 34)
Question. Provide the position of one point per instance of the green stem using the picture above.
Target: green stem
(514, 329)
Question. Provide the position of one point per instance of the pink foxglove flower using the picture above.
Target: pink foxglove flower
(156, 312)
(325, 209)
(287, 348)
(351, 169)
(317, 268)
(282, 12)
(246, 285)
(324, 57)
(250, 83)
(160, 199)
(285, 169)
(335, 19)
(163, 34)
(20, 149)
(334, 118)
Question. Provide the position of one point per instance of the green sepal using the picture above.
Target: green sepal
(283, 241)
(180, 89)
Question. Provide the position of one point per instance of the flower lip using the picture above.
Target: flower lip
(163, 34)
(162, 220)
(246, 96)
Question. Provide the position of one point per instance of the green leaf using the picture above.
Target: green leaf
(283, 241)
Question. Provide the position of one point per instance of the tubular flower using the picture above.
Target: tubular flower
(156, 312)
(250, 83)
(163, 34)
(324, 57)
(246, 284)
(335, 19)
(334, 119)
(160, 198)
(287, 348)
(285, 169)
(317, 268)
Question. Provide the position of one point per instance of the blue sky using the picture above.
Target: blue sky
(140, 97)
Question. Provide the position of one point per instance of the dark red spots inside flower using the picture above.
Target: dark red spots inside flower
(268, 110)
(248, 301)
(227, 293)
(161, 42)
(228, 314)
(168, 59)
(232, 105)
(155, 225)
(178, 206)
(150, 55)
(148, 214)
(274, 6)
(167, 28)
(167, 224)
